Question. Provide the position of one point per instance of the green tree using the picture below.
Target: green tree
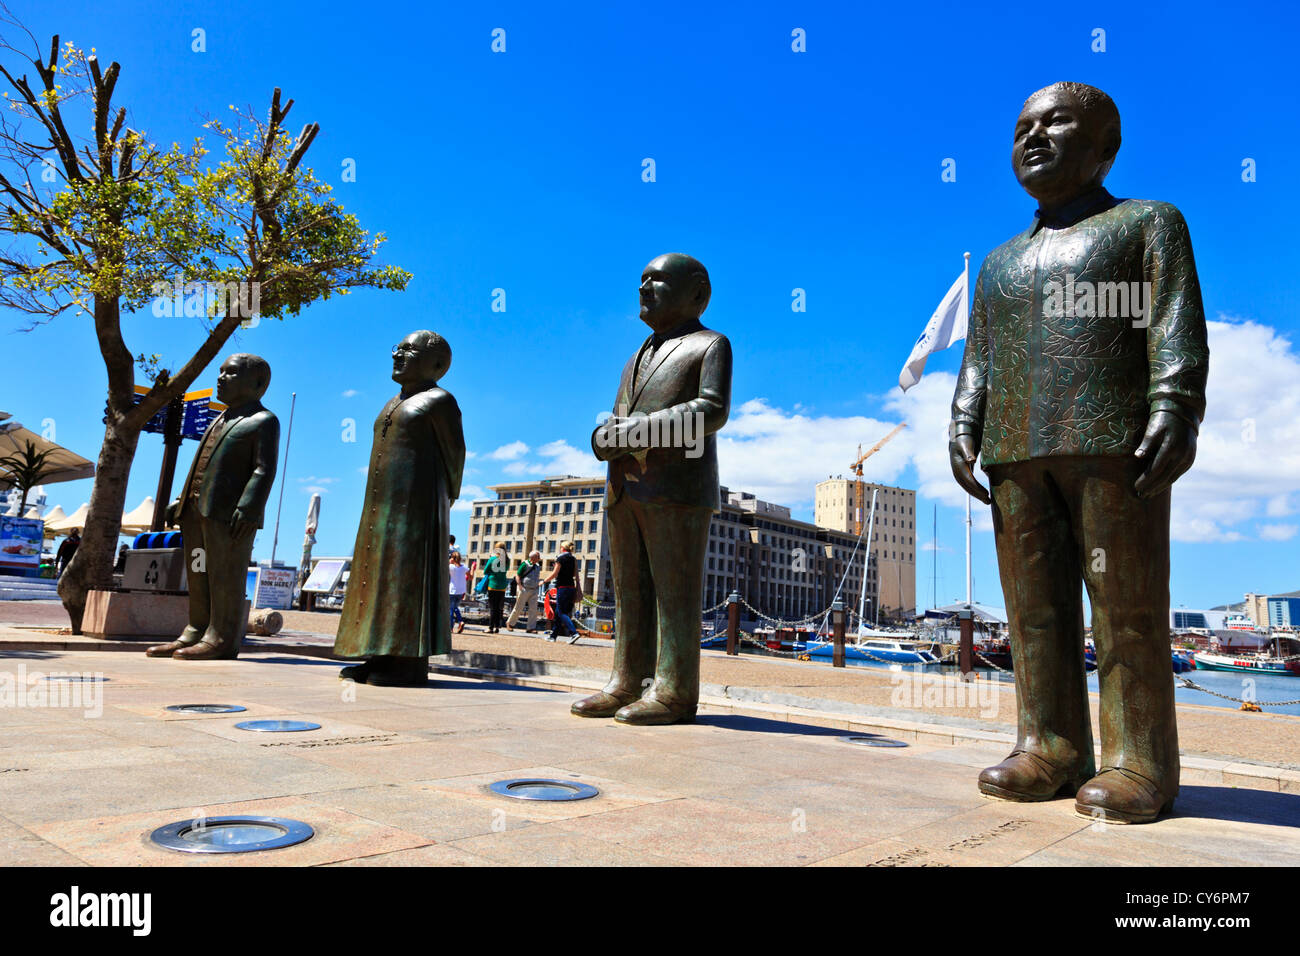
(110, 222)
(25, 470)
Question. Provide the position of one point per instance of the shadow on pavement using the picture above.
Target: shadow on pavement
(765, 726)
(1238, 804)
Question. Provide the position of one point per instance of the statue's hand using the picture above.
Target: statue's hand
(1169, 448)
(607, 440)
(961, 454)
(241, 527)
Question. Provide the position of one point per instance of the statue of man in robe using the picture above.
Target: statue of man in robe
(1082, 389)
(396, 612)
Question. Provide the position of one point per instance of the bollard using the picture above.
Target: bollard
(837, 631)
(966, 645)
(733, 623)
(265, 622)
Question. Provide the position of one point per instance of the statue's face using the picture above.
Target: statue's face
(670, 295)
(415, 362)
(237, 384)
(1059, 150)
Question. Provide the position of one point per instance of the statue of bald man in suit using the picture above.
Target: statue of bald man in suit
(662, 491)
(220, 509)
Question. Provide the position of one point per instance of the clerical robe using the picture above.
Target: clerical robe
(397, 596)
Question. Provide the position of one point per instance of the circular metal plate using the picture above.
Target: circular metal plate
(76, 678)
(532, 788)
(206, 708)
(277, 726)
(872, 740)
(231, 834)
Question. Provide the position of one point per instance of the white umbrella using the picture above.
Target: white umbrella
(64, 465)
(309, 539)
(54, 516)
(139, 520)
(75, 520)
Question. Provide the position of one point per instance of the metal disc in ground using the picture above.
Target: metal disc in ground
(206, 708)
(235, 834)
(532, 788)
(872, 740)
(277, 726)
(77, 678)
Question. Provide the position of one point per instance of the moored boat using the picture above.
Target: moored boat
(1248, 663)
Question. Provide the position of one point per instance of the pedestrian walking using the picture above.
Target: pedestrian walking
(527, 577)
(459, 576)
(565, 576)
(497, 574)
(66, 550)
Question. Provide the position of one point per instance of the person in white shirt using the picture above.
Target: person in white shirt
(459, 581)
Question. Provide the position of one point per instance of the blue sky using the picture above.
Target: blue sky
(779, 170)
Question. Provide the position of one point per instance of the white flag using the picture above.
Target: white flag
(947, 325)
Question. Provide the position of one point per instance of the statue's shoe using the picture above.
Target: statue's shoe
(189, 637)
(356, 672)
(1117, 795)
(646, 712)
(1026, 777)
(398, 672)
(602, 704)
(207, 650)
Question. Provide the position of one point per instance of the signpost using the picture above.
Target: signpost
(184, 417)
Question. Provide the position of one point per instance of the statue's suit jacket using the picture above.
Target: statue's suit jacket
(241, 470)
(1039, 381)
(689, 375)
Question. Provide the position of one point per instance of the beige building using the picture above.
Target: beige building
(785, 568)
(1256, 608)
(893, 536)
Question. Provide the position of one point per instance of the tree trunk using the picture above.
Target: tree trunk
(92, 566)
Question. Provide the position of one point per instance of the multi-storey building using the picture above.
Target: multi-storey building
(783, 567)
(893, 535)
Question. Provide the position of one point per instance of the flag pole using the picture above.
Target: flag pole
(969, 583)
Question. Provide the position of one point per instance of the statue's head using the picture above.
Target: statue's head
(1066, 139)
(422, 356)
(674, 289)
(243, 378)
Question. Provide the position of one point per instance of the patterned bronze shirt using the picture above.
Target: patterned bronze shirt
(1082, 326)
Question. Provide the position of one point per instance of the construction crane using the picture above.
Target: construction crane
(856, 468)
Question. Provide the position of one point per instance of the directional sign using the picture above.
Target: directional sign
(199, 410)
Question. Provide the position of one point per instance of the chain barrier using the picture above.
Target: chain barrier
(1237, 700)
(1004, 670)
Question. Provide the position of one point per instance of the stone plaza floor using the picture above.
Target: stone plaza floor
(398, 776)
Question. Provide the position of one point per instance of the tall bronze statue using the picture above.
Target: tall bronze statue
(397, 610)
(220, 509)
(1082, 388)
(661, 493)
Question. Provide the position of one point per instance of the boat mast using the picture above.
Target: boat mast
(866, 565)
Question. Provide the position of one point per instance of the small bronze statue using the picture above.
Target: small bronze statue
(220, 509)
(397, 610)
(1082, 387)
(662, 491)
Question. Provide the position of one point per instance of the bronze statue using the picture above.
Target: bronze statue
(220, 509)
(397, 609)
(1082, 387)
(661, 493)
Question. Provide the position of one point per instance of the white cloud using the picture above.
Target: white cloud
(313, 479)
(554, 458)
(1278, 532)
(1248, 451)
(348, 393)
(315, 490)
(510, 452)
(468, 494)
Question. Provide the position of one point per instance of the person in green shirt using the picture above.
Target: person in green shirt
(497, 573)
